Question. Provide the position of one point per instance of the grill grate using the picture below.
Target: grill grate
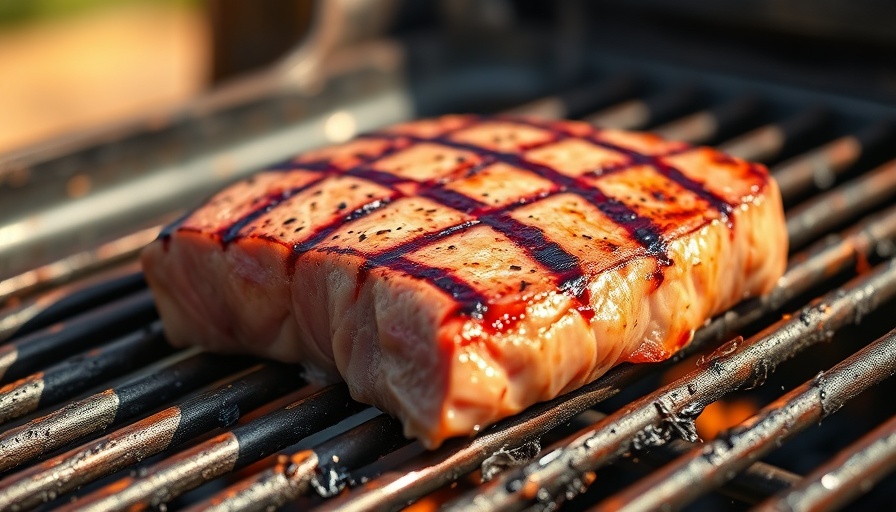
(171, 405)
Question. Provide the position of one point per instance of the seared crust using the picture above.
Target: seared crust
(454, 271)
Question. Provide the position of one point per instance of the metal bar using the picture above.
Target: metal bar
(580, 100)
(324, 467)
(826, 211)
(876, 234)
(640, 113)
(76, 265)
(704, 468)
(705, 125)
(28, 354)
(168, 428)
(222, 454)
(769, 141)
(79, 301)
(820, 168)
(97, 412)
(668, 412)
(758, 481)
(79, 373)
(848, 475)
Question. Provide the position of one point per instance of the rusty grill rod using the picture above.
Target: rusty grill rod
(28, 354)
(639, 113)
(432, 470)
(820, 167)
(705, 125)
(655, 418)
(823, 212)
(707, 467)
(222, 454)
(97, 412)
(771, 140)
(170, 427)
(848, 475)
(76, 374)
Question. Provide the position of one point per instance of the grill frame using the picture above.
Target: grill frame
(852, 141)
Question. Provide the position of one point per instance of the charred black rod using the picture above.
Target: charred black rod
(222, 454)
(669, 412)
(28, 354)
(76, 374)
(460, 456)
(82, 300)
(168, 428)
(819, 168)
(770, 141)
(324, 467)
(851, 473)
(713, 122)
(824, 212)
(709, 466)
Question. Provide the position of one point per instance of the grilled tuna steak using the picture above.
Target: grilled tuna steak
(454, 271)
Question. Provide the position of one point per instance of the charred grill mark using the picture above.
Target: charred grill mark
(641, 229)
(564, 266)
(635, 158)
(230, 233)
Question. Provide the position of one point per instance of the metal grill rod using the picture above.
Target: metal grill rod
(705, 125)
(97, 412)
(654, 419)
(28, 354)
(707, 467)
(768, 141)
(638, 113)
(76, 374)
(851, 473)
(810, 219)
(222, 454)
(128, 445)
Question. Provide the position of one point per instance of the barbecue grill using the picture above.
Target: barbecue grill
(97, 412)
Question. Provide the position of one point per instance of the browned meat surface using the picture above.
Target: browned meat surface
(454, 271)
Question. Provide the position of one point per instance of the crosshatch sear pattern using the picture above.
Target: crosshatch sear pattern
(485, 229)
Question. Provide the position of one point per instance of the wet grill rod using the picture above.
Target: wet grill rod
(704, 468)
(76, 374)
(168, 428)
(670, 410)
(851, 473)
(222, 454)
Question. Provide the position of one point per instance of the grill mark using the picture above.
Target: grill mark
(718, 203)
(230, 233)
(561, 264)
(469, 300)
(641, 229)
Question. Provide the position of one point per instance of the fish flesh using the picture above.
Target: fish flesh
(454, 271)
